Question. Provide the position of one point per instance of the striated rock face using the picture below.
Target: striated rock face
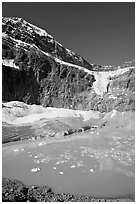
(36, 69)
(24, 33)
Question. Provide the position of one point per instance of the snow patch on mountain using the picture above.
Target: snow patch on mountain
(70, 52)
(9, 63)
(39, 31)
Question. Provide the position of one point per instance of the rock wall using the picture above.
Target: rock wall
(63, 86)
(41, 80)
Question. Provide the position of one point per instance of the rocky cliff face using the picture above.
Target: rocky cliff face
(36, 69)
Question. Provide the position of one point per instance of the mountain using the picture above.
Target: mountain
(24, 34)
(64, 121)
(36, 69)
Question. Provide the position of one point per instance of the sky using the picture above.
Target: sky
(101, 32)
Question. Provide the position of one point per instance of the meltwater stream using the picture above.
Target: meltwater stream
(98, 165)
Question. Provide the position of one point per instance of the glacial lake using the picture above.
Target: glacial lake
(94, 164)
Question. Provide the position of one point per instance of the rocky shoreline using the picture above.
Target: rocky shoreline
(16, 191)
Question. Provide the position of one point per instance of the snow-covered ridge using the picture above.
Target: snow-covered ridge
(19, 42)
(36, 29)
(31, 29)
(39, 31)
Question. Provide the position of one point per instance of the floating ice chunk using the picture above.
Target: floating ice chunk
(73, 166)
(43, 160)
(54, 167)
(79, 164)
(38, 155)
(36, 161)
(61, 172)
(91, 170)
(60, 162)
(41, 143)
(16, 150)
(35, 170)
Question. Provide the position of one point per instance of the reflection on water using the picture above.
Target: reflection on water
(101, 166)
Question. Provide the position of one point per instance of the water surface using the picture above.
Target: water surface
(97, 164)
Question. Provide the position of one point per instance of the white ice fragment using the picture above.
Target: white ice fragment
(35, 170)
(43, 160)
(91, 170)
(60, 162)
(16, 150)
(42, 143)
(73, 166)
(79, 164)
(54, 167)
(36, 161)
(61, 172)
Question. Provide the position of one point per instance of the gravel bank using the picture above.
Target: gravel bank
(15, 191)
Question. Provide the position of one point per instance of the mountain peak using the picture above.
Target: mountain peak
(17, 29)
(18, 20)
